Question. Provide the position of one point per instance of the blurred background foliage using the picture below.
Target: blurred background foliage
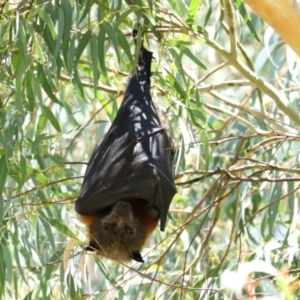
(227, 88)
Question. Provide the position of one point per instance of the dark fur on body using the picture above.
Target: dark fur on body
(119, 232)
(129, 183)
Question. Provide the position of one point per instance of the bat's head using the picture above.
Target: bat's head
(119, 235)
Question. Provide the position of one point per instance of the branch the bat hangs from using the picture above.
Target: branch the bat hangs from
(128, 185)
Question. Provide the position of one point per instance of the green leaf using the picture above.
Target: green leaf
(4, 207)
(3, 172)
(198, 98)
(211, 8)
(41, 124)
(174, 5)
(60, 227)
(77, 82)
(111, 34)
(178, 63)
(180, 164)
(177, 43)
(105, 270)
(178, 88)
(101, 50)
(47, 228)
(82, 45)
(61, 25)
(239, 4)
(50, 116)
(192, 12)
(36, 42)
(123, 42)
(39, 156)
(199, 29)
(45, 84)
(291, 199)
(37, 90)
(19, 266)
(205, 145)
(96, 73)
(58, 160)
(46, 18)
(23, 169)
(152, 25)
(68, 14)
(29, 91)
(127, 12)
(87, 8)
(41, 178)
(188, 53)
(2, 273)
(273, 209)
(7, 257)
(21, 71)
(71, 54)
(14, 173)
(22, 42)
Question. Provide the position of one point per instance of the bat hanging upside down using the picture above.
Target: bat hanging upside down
(129, 184)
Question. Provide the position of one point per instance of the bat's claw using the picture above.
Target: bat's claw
(137, 256)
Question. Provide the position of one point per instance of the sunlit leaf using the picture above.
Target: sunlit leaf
(192, 12)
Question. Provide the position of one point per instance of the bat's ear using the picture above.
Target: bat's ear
(137, 256)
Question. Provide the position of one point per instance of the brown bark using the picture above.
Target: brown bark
(283, 16)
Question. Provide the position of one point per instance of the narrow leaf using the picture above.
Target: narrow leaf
(111, 33)
(50, 116)
(82, 45)
(61, 26)
(204, 139)
(3, 173)
(23, 169)
(46, 18)
(46, 86)
(96, 73)
(61, 227)
(123, 42)
(192, 12)
(239, 4)
(101, 50)
(71, 54)
(127, 12)
(188, 53)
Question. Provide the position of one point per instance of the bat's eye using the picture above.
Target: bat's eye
(110, 227)
(129, 230)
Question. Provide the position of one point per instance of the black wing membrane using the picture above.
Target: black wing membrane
(133, 161)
